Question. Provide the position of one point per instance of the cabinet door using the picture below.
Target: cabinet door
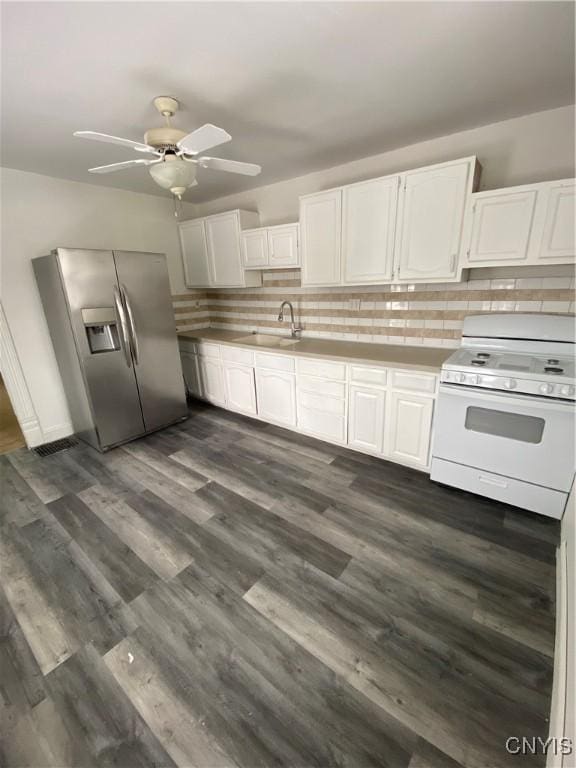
(410, 427)
(501, 227)
(191, 374)
(194, 254)
(320, 229)
(432, 219)
(240, 389)
(558, 236)
(212, 380)
(255, 248)
(276, 392)
(368, 228)
(283, 246)
(366, 418)
(223, 238)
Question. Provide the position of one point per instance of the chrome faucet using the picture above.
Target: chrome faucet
(293, 330)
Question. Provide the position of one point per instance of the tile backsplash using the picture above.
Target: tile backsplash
(430, 314)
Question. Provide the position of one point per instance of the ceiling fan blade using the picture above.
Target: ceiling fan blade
(120, 166)
(232, 166)
(203, 138)
(94, 136)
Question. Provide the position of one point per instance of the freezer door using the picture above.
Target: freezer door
(143, 280)
(91, 287)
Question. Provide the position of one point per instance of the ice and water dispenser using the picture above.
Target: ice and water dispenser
(101, 329)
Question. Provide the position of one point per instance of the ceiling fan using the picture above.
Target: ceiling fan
(175, 154)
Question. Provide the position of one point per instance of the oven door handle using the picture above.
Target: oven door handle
(483, 397)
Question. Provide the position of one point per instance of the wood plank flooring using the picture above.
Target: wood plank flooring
(11, 436)
(229, 593)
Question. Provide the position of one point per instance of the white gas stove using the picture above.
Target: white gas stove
(505, 420)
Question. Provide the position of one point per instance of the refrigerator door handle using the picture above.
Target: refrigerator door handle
(133, 335)
(124, 338)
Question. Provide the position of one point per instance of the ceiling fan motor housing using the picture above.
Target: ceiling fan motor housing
(163, 138)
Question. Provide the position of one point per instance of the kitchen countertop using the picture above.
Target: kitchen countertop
(393, 355)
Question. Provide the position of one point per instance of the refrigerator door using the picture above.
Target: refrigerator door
(99, 325)
(143, 280)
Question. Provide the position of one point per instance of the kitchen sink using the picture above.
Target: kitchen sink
(266, 340)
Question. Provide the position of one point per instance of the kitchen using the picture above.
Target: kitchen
(305, 494)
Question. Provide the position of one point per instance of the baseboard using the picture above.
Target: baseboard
(57, 432)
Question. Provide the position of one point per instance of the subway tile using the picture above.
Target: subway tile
(529, 282)
(528, 306)
(555, 306)
(503, 284)
(556, 282)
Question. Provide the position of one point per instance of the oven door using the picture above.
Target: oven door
(518, 436)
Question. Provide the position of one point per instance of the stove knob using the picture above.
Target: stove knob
(566, 390)
(473, 379)
(546, 389)
(460, 378)
(509, 384)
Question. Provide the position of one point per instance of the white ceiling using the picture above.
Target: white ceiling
(300, 86)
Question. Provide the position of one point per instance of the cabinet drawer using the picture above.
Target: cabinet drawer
(237, 355)
(321, 386)
(326, 425)
(206, 349)
(276, 362)
(415, 382)
(322, 369)
(321, 403)
(187, 345)
(362, 375)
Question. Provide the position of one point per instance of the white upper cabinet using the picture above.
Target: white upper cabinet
(407, 228)
(502, 223)
(320, 227)
(368, 229)
(532, 224)
(557, 243)
(283, 246)
(211, 252)
(255, 248)
(194, 253)
(271, 247)
(432, 219)
(223, 237)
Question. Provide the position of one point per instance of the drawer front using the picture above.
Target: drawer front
(207, 349)
(359, 374)
(322, 369)
(526, 495)
(415, 382)
(321, 403)
(275, 362)
(187, 345)
(237, 355)
(321, 386)
(326, 425)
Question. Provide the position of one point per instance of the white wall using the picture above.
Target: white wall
(536, 147)
(40, 213)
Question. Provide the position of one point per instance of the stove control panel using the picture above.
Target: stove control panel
(520, 386)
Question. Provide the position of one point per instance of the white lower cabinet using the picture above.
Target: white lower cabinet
(276, 393)
(212, 380)
(409, 429)
(240, 388)
(191, 374)
(366, 418)
(382, 411)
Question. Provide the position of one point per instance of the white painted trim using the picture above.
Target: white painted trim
(558, 706)
(58, 431)
(16, 386)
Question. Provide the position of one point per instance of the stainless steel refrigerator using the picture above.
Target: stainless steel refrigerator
(112, 326)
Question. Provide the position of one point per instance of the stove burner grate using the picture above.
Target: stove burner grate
(478, 362)
(484, 355)
(553, 369)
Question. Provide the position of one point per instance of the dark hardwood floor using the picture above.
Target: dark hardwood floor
(229, 593)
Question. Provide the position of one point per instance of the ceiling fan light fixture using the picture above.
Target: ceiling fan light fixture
(174, 174)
